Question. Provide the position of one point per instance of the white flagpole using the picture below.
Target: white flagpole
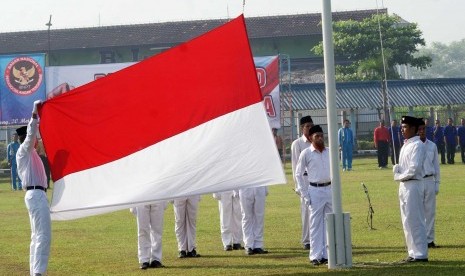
(340, 253)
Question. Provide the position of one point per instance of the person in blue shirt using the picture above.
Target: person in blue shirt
(396, 142)
(450, 139)
(461, 135)
(429, 130)
(11, 150)
(346, 145)
(438, 139)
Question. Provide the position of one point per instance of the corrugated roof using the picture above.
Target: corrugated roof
(367, 94)
(167, 33)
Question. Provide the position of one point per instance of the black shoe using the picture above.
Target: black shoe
(315, 262)
(182, 254)
(237, 246)
(156, 264)
(144, 266)
(307, 246)
(323, 261)
(260, 251)
(193, 254)
(413, 260)
(249, 251)
(432, 245)
(228, 248)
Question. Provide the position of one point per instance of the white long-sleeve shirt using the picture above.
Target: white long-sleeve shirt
(297, 147)
(411, 160)
(431, 164)
(30, 166)
(316, 164)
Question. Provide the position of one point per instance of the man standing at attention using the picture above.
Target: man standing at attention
(279, 142)
(346, 145)
(11, 150)
(149, 233)
(31, 171)
(396, 138)
(431, 182)
(185, 225)
(429, 131)
(450, 139)
(438, 139)
(409, 172)
(381, 139)
(230, 219)
(461, 135)
(297, 147)
(315, 190)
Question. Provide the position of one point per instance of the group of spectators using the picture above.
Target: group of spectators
(447, 139)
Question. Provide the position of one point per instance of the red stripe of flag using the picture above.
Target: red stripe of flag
(151, 101)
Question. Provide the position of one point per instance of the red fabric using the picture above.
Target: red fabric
(148, 102)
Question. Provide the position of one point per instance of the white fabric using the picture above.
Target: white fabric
(431, 183)
(304, 217)
(149, 231)
(253, 215)
(32, 173)
(321, 204)
(431, 164)
(411, 192)
(230, 218)
(429, 202)
(185, 222)
(297, 147)
(224, 167)
(41, 232)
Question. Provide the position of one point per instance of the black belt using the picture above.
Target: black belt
(320, 184)
(428, 175)
(36, 188)
(410, 179)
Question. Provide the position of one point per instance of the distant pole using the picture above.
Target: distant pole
(49, 24)
(338, 231)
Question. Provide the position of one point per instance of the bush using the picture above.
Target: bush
(4, 164)
(365, 145)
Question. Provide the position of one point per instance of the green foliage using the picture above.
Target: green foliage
(4, 164)
(3, 147)
(365, 145)
(448, 61)
(107, 244)
(359, 43)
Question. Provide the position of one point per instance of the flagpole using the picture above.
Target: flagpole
(337, 223)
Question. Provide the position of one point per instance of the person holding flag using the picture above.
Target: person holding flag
(31, 171)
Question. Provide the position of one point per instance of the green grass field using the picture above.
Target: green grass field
(107, 244)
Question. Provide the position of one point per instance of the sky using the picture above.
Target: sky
(439, 20)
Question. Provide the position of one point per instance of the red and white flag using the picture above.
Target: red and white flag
(187, 121)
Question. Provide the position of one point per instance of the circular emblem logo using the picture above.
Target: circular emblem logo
(23, 75)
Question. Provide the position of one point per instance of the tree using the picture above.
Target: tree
(448, 61)
(358, 42)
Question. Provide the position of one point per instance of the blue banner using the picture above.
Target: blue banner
(22, 82)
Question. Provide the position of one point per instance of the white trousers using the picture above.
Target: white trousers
(185, 220)
(430, 207)
(411, 194)
(321, 203)
(41, 230)
(230, 218)
(150, 231)
(305, 215)
(253, 214)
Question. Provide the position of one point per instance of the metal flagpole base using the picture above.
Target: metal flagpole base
(339, 240)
